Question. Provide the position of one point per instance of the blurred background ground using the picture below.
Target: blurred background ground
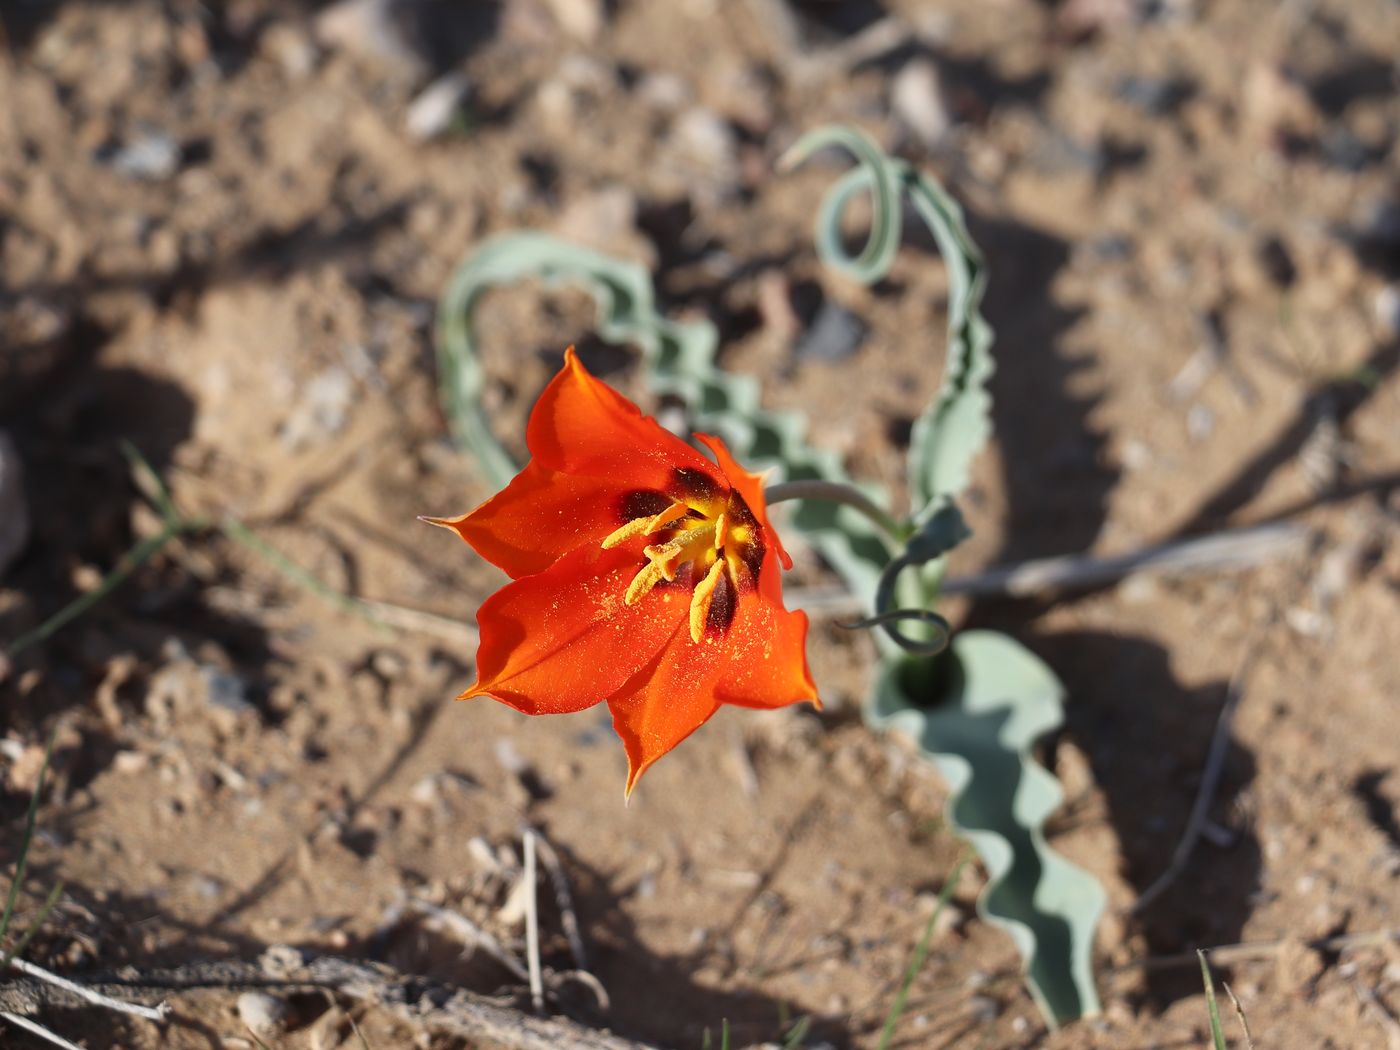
(223, 228)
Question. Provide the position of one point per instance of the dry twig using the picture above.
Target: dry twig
(1239, 1012)
(1214, 764)
(438, 1008)
(151, 1013)
(532, 924)
(1237, 548)
(1382, 1013)
(564, 900)
(1246, 951)
(468, 932)
(34, 1028)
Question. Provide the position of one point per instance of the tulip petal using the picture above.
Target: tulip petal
(564, 639)
(539, 517)
(758, 661)
(582, 426)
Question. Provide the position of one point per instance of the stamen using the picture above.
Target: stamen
(700, 601)
(667, 557)
(648, 577)
(644, 526)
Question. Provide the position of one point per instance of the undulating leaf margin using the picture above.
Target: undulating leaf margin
(1049, 907)
(681, 362)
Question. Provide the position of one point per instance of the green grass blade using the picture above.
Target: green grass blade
(797, 1033)
(295, 574)
(724, 1034)
(35, 927)
(24, 843)
(1216, 1033)
(152, 486)
(916, 961)
(131, 561)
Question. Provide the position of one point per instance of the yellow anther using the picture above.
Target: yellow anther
(667, 557)
(698, 545)
(645, 526)
(650, 575)
(701, 600)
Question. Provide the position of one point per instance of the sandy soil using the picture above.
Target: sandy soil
(222, 240)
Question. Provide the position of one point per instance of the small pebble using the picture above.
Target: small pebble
(916, 97)
(288, 45)
(432, 113)
(706, 138)
(262, 1013)
(1378, 223)
(372, 29)
(1200, 422)
(1343, 150)
(581, 19)
(321, 410)
(1387, 311)
(984, 1008)
(835, 334)
(1155, 96)
(152, 156)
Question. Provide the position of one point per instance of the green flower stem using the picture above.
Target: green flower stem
(836, 492)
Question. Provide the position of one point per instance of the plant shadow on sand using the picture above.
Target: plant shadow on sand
(653, 998)
(1145, 734)
(69, 414)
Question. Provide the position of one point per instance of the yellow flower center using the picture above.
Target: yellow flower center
(721, 543)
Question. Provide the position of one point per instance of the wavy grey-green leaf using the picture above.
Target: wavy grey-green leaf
(997, 699)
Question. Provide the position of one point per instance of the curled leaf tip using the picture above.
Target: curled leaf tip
(918, 646)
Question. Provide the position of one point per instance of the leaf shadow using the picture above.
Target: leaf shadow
(1145, 733)
(68, 412)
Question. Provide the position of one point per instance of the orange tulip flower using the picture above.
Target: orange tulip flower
(644, 575)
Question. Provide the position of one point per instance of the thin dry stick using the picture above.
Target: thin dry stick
(472, 935)
(1384, 1017)
(404, 618)
(532, 925)
(151, 1013)
(1239, 1012)
(434, 1007)
(1236, 548)
(39, 1030)
(1210, 775)
(1246, 951)
(564, 900)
